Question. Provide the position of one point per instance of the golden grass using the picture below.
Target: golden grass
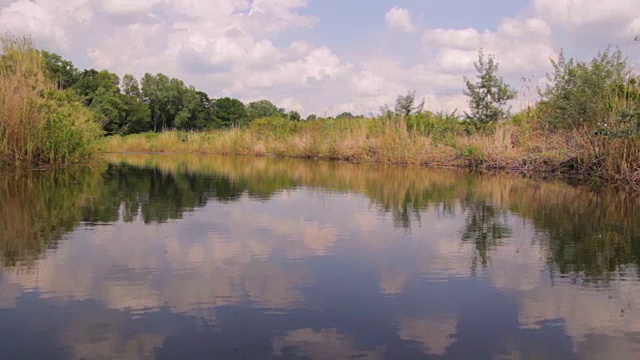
(389, 143)
(573, 153)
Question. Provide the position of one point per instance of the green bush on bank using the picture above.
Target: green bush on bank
(40, 125)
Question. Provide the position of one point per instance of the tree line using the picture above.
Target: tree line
(156, 102)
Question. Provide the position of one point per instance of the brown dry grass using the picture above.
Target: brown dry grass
(576, 153)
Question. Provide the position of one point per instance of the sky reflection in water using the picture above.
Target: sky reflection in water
(171, 256)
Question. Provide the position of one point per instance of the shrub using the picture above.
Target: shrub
(39, 124)
(585, 94)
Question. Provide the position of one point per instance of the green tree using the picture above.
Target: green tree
(489, 95)
(312, 117)
(131, 87)
(165, 98)
(345, 115)
(136, 113)
(110, 108)
(136, 116)
(406, 104)
(61, 70)
(196, 112)
(261, 109)
(101, 93)
(229, 112)
(294, 116)
(90, 81)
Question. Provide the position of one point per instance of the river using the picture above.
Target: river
(206, 257)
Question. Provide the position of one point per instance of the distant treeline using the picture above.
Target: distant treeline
(156, 102)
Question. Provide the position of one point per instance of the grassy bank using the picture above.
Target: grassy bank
(507, 147)
(40, 125)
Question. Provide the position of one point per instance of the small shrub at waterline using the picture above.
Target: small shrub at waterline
(40, 125)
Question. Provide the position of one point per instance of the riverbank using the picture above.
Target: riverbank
(505, 148)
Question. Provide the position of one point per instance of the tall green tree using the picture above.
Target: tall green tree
(164, 97)
(90, 81)
(110, 108)
(489, 94)
(137, 114)
(101, 93)
(196, 112)
(230, 112)
(62, 71)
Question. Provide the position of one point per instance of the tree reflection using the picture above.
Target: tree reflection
(590, 234)
(485, 227)
(36, 209)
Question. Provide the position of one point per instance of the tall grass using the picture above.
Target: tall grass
(390, 141)
(39, 124)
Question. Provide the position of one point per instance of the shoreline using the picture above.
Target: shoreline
(538, 174)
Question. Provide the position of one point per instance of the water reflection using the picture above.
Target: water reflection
(195, 257)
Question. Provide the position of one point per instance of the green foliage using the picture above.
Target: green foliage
(274, 126)
(406, 104)
(136, 113)
(312, 117)
(62, 71)
(437, 125)
(40, 125)
(91, 81)
(345, 115)
(110, 109)
(136, 116)
(261, 109)
(230, 112)
(68, 132)
(489, 95)
(131, 87)
(294, 116)
(585, 93)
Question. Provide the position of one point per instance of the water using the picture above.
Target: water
(177, 257)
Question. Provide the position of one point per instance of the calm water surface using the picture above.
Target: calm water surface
(179, 257)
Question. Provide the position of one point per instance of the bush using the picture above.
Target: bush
(39, 124)
(585, 94)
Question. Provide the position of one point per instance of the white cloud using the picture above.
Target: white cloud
(593, 21)
(128, 6)
(250, 49)
(587, 12)
(27, 18)
(399, 18)
(519, 45)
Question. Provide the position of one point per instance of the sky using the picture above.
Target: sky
(327, 56)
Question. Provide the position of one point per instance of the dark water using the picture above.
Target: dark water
(179, 257)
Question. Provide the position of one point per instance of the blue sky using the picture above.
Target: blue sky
(326, 56)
